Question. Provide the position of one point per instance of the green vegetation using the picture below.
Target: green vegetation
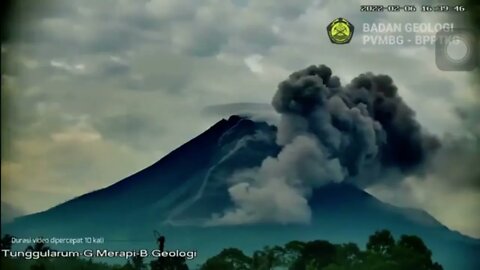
(58, 264)
(382, 252)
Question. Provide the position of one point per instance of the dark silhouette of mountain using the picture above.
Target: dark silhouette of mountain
(176, 177)
(182, 190)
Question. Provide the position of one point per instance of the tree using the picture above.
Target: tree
(348, 256)
(292, 251)
(382, 253)
(228, 259)
(167, 263)
(137, 263)
(315, 255)
(269, 258)
(216, 263)
(39, 246)
(381, 242)
(411, 252)
(335, 266)
(415, 244)
(127, 266)
(6, 242)
(320, 251)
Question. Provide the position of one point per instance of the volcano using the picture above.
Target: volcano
(179, 194)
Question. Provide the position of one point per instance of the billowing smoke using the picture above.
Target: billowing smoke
(361, 133)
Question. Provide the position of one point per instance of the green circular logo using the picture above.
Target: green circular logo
(340, 31)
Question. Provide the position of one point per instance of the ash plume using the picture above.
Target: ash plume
(361, 133)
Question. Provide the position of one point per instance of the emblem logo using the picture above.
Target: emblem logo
(340, 31)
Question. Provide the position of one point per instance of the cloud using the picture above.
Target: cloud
(9, 212)
(125, 128)
(243, 108)
(450, 187)
(359, 133)
(67, 67)
(253, 63)
(149, 60)
(283, 8)
(277, 190)
(261, 112)
(453, 206)
(268, 198)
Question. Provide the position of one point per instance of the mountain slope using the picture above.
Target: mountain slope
(210, 157)
(182, 190)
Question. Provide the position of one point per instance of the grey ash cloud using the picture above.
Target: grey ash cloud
(456, 163)
(177, 57)
(329, 133)
(363, 123)
(406, 143)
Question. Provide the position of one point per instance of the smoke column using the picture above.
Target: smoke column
(361, 133)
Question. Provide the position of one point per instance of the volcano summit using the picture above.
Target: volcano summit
(247, 183)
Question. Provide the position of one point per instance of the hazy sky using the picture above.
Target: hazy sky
(98, 90)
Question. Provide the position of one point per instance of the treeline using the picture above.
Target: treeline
(56, 264)
(382, 252)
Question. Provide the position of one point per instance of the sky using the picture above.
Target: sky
(94, 91)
